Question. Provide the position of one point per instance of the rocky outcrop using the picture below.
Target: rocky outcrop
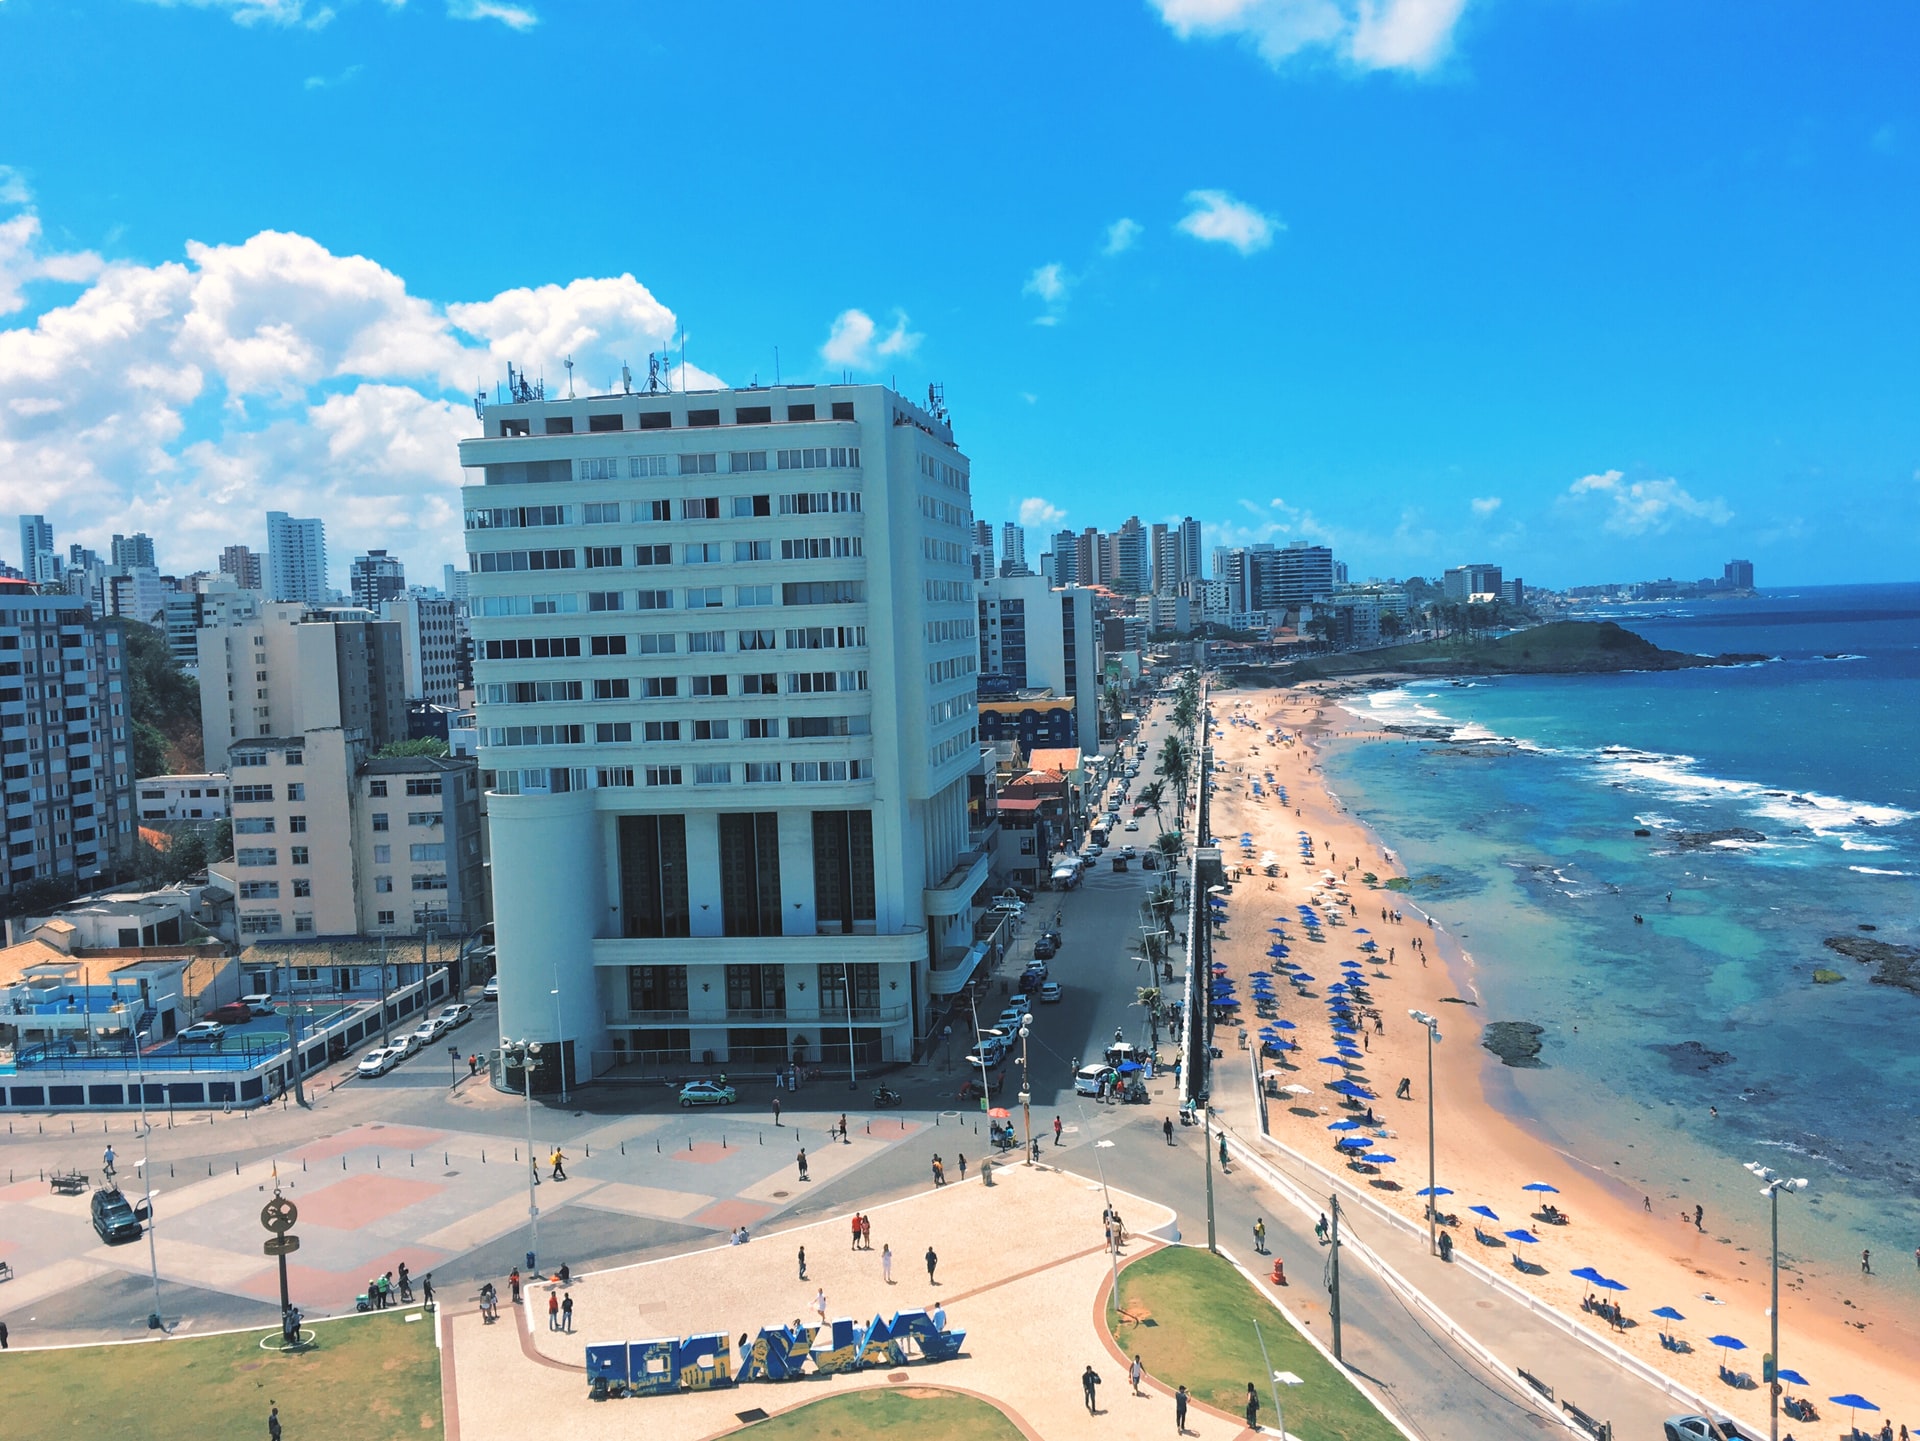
(1899, 965)
(1694, 1056)
(1700, 840)
(1516, 1043)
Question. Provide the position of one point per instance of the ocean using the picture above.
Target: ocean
(1673, 973)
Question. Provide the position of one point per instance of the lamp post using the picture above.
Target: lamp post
(1775, 1184)
(146, 1178)
(559, 1047)
(1026, 1092)
(1431, 1024)
(525, 1051)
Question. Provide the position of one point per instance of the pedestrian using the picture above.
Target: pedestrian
(1259, 1236)
(843, 1130)
(886, 1264)
(1253, 1408)
(106, 1159)
(866, 1232)
(1134, 1373)
(776, 1110)
(386, 1290)
(1057, 1129)
(426, 1290)
(273, 1422)
(802, 1160)
(1180, 1411)
(1699, 1214)
(1223, 1150)
(553, 1310)
(406, 1283)
(1089, 1379)
(939, 1173)
(1320, 1227)
(1166, 1129)
(559, 1166)
(1866, 1263)
(566, 1314)
(3, 1335)
(932, 1261)
(513, 1285)
(820, 1304)
(803, 1263)
(963, 1165)
(473, 1065)
(856, 1231)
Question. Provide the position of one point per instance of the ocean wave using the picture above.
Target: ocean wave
(1862, 846)
(1878, 871)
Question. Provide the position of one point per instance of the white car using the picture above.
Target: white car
(457, 1015)
(260, 1004)
(425, 1033)
(377, 1062)
(1133, 825)
(491, 991)
(210, 1031)
(1049, 991)
(406, 1045)
(1019, 1005)
(1086, 1080)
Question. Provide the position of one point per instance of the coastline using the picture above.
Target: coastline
(1491, 1142)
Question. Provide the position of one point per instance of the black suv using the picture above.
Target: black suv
(115, 1218)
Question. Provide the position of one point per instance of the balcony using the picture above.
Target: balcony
(954, 894)
(904, 946)
(628, 1016)
(759, 1015)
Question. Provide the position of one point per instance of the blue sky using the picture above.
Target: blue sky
(1597, 289)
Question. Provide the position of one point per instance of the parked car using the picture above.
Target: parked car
(1029, 982)
(1038, 968)
(707, 1093)
(407, 1044)
(457, 1014)
(491, 991)
(1044, 949)
(1049, 991)
(1010, 1019)
(1025, 893)
(115, 1219)
(1699, 1428)
(207, 1031)
(426, 1033)
(377, 1062)
(1086, 1080)
(233, 1013)
(980, 1057)
(260, 1004)
(1020, 1004)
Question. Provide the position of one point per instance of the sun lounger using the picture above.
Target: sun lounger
(1485, 1240)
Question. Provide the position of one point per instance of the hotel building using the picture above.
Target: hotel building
(725, 654)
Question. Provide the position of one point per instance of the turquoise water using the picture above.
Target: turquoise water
(1521, 827)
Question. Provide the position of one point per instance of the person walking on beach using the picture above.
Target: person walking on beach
(1699, 1217)
(406, 1283)
(1259, 1236)
(820, 1304)
(1866, 1263)
(886, 1264)
(856, 1231)
(1089, 1379)
(1180, 1410)
(1134, 1373)
(553, 1310)
(801, 1159)
(559, 1166)
(843, 1129)
(962, 1158)
(803, 1263)
(939, 1172)
(932, 1261)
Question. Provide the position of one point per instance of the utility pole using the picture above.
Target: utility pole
(1206, 1145)
(1430, 1024)
(293, 1032)
(386, 1033)
(1334, 1308)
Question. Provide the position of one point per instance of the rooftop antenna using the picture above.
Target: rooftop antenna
(626, 379)
(479, 400)
(569, 364)
(776, 365)
(683, 358)
(653, 372)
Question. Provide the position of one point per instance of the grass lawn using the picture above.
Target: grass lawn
(1202, 1313)
(372, 1378)
(921, 1411)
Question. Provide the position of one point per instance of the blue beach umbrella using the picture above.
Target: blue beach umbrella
(1352, 1088)
(1361, 931)
(1361, 1141)
(1606, 1283)
(1340, 1061)
(1350, 1124)
(1525, 1236)
(1301, 978)
(1282, 1026)
(1379, 1158)
(1541, 1186)
(1792, 1378)
(1433, 1191)
(1667, 1313)
(1727, 1343)
(1486, 1211)
(1853, 1401)
(1586, 1273)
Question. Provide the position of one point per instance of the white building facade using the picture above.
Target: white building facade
(182, 797)
(724, 655)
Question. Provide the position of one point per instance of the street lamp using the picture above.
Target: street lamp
(1775, 1184)
(1026, 1081)
(524, 1052)
(146, 1177)
(1431, 1024)
(559, 1048)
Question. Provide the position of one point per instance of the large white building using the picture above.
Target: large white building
(1033, 634)
(725, 661)
(296, 559)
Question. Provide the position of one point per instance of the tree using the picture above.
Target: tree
(1391, 626)
(1148, 999)
(1115, 700)
(163, 703)
(1153, 795)
(1175, 758)
(430, 746)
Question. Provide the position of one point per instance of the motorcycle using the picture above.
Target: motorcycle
(885, 1096)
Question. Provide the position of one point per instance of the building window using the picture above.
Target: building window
(763, 772)
(302, 889)
(382, 855)
(754, 595)
(833, 984)
(297, 791)
(298, 856)
(383, 918)
(757, 988)
(259, 890)
(750, 873)
(653, 879)
(663, 775)
(249, 856)
(297, 825)
(843, 892)
(719, 774)
(657, 988)
(746, 506)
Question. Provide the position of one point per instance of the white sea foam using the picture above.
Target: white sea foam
(1862, 846)
(1878, 871)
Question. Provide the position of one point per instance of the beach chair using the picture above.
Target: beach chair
(1485, 1240)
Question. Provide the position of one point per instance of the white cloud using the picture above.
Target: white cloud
(184, 398)
(1410, 35)
(1217, 216)
(1642, 507)
(1121, 236)
(23, 260)
(514, 17)
(1049, 282)
(328, 82)
(259, 12)
(1035, 510)
(854, 342)
(1485, 504)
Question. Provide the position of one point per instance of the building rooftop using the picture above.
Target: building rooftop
(413, 765)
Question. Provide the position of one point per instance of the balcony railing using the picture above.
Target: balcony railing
(834, 1015)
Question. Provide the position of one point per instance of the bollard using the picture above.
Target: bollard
(303, 1163)
(689, 1143)
(376, 1160)
(589, 1150)
(483, 1158)
(343, 1163)
(656, 1145)
(409, 1158)
(763, 1138)
(623, 1148)
(446, 1160)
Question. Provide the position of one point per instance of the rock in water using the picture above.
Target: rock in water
(1699, 840)
(1694, 1056)
(1899, 964)
(1516, 1043)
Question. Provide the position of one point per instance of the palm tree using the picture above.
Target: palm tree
(1175, 758)
(1115, 700)
(1153, 795)
(1148, 999)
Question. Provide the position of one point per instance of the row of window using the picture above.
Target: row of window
(654, 732)
(696, 597)
(297, 791)
(614, 421)
(657, 511)
(727, 773)
(935, 468)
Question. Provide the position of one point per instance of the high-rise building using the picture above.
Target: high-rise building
(137, 592)
(1090, 558)
(133, 550)
(1288, 577)
(1066, 558)
(1129, 564)
(38, 559)
(1737, 575)
(243, 565)
(432, 642)
(1459, 582)
(67, 787)
(1230, 569)
(746, 761)
(1034, 635)
(296, 559)
(1013, 550)
(1188, 547)
(1166, 568)
(289, 670)
(376, 577)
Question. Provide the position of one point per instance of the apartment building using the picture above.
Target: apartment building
(433, 643)
(1463, 582)
(725, 654)
(289, 669)
(64, 774)
(199, 797)
(1038, 637)
(296, 559)
(374, 578)
(417, 837)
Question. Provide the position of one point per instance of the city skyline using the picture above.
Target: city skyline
(1414, 339)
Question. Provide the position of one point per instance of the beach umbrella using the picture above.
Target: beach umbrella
(1282, 1026)
(1352, 1088)
(1527, 1236)
(1336, 988)
(1607, 1284)
(1586, 1273)
(1296, 1089)
(1361, 1141)
(1349, 1124)
(1726, 1344)
(1127, 1068)
(1361, 931)
(1333, 1061)
(999, 1113)
(1433, 1191)
(1853, 1401)
(1792, 1378)
(1541, 1186)
(1379, 1159)
(1275, 931)
(1300, 978)
(1667, 1313)
(1486, 1211)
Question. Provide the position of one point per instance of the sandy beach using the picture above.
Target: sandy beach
(1843, 1337)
